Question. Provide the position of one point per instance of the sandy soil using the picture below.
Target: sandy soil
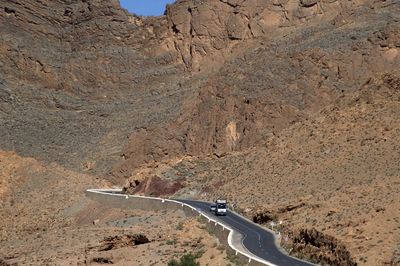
(46, 220)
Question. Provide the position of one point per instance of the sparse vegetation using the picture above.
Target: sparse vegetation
(395, 260)
(179, 226)
(171, 241)
(234, 259)
(199, 252)
(221, 247)
(185, 260)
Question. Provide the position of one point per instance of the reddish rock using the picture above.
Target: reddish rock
(154, 186)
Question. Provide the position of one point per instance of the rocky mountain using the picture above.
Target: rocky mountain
(71, 72)
(294, 102)
(272, 81)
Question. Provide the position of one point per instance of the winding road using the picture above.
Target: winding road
(254, 241)
(257, 240)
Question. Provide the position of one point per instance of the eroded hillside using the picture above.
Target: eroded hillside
(332, 178)
(288, 108)
(274, 81)
(75, 80)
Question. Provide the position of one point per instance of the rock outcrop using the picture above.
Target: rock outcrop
(115, 242)
(226, 75)
(316, 246)
(205, 32)
(70, 73)
(273, 82)
(154, 186)
(75, 46)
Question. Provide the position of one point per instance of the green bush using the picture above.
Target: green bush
(185, 260)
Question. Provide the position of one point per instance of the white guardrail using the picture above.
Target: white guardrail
(231, 230)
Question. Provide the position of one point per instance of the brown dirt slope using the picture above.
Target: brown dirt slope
(46, 220)
(336, 172)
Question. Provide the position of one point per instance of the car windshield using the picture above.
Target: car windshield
(221, 206)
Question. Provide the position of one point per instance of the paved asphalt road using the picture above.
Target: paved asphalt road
(258, 241)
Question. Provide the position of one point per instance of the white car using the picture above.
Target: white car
(213, 207)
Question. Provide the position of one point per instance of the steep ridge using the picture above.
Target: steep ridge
(265, 65)
(205, 31)
(272, 82)
(77, 73)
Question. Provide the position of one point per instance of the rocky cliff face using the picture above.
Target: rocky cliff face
(271, 79)
(70, 73)
(46, 43)
(204, 32)
(208, 78)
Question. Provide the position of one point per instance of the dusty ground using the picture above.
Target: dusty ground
(46, 220)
